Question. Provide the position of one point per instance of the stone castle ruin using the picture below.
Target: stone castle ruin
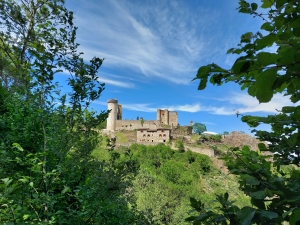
(151, 131)
(164, 119)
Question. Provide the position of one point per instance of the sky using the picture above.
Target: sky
(152, 51)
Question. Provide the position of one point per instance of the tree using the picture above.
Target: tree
(199, 128)
(48, 174)
(269, 180)
(225, 133)
(179, 145)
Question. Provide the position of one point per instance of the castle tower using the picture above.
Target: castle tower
(112, 104)
(166, 117)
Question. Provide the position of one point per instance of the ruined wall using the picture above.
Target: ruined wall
(136, 124)
(159, 135)
(173, 119)
(204, 151)
(112, 105)
(119, 113)
(167, 117)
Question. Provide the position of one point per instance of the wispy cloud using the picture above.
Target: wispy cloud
(148, 108)
(243, 103)
(114, 80)
(155, 38)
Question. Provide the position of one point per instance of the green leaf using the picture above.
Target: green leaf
(250, 180)
(280, 3)
(266, 58)
(196, 204)
(18, 146)
(6, 181)
(295, 23)
(297, 112)
(202, 84)
(267, 26)
(246, 215)
(65, 190)
(296, 32)
(253, 6)
(202, 217)
(259, 203)
(252, 90)
(267, 4)
(288, 109)
(266, 41)
(295, 217)
(262, 147)
(246, 37)
(264, 83)
(240, 65)
(293, 138)
(268, 214)
(258, 195)
(288, 212)
(191, 218)
(287, 57)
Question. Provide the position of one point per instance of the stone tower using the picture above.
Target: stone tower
(112, 105)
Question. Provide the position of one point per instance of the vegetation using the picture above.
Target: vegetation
(167, 178)
(210, 138)
(55, 170)
(272, 182)
(179, 145)
(199, 128)
(48, 174)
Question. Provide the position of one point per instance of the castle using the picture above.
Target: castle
(158, 130)
(164, 119)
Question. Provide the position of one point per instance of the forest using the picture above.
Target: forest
(55, 167)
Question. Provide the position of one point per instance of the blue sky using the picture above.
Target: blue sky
(153, 49)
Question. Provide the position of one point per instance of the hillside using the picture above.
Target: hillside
(166, 179)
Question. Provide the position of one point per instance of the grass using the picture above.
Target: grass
(195, 137)
(121, 137)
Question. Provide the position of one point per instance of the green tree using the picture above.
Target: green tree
(48, 174)
(179, 145)
(225, 133)
(199, 128)
(270, 181)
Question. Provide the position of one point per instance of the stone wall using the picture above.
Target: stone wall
(204, 151)
(173, 119)
(136, 124)
(157, 135)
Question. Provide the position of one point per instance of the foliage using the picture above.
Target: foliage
(199, 128)
(167, 178)
(211, 138)
(270, 181)
(47, 172)
(142, 121)
(179, 145)
(225, 133)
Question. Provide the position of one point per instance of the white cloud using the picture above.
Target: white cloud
(185, 108)
(243, 103)
(148, 108)
(139, 107)
(236, 102)
(160, 39)
(115, 82)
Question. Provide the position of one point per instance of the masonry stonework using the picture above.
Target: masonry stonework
(166, 117)
(112, 105)
(157, 135)
(115, 122)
